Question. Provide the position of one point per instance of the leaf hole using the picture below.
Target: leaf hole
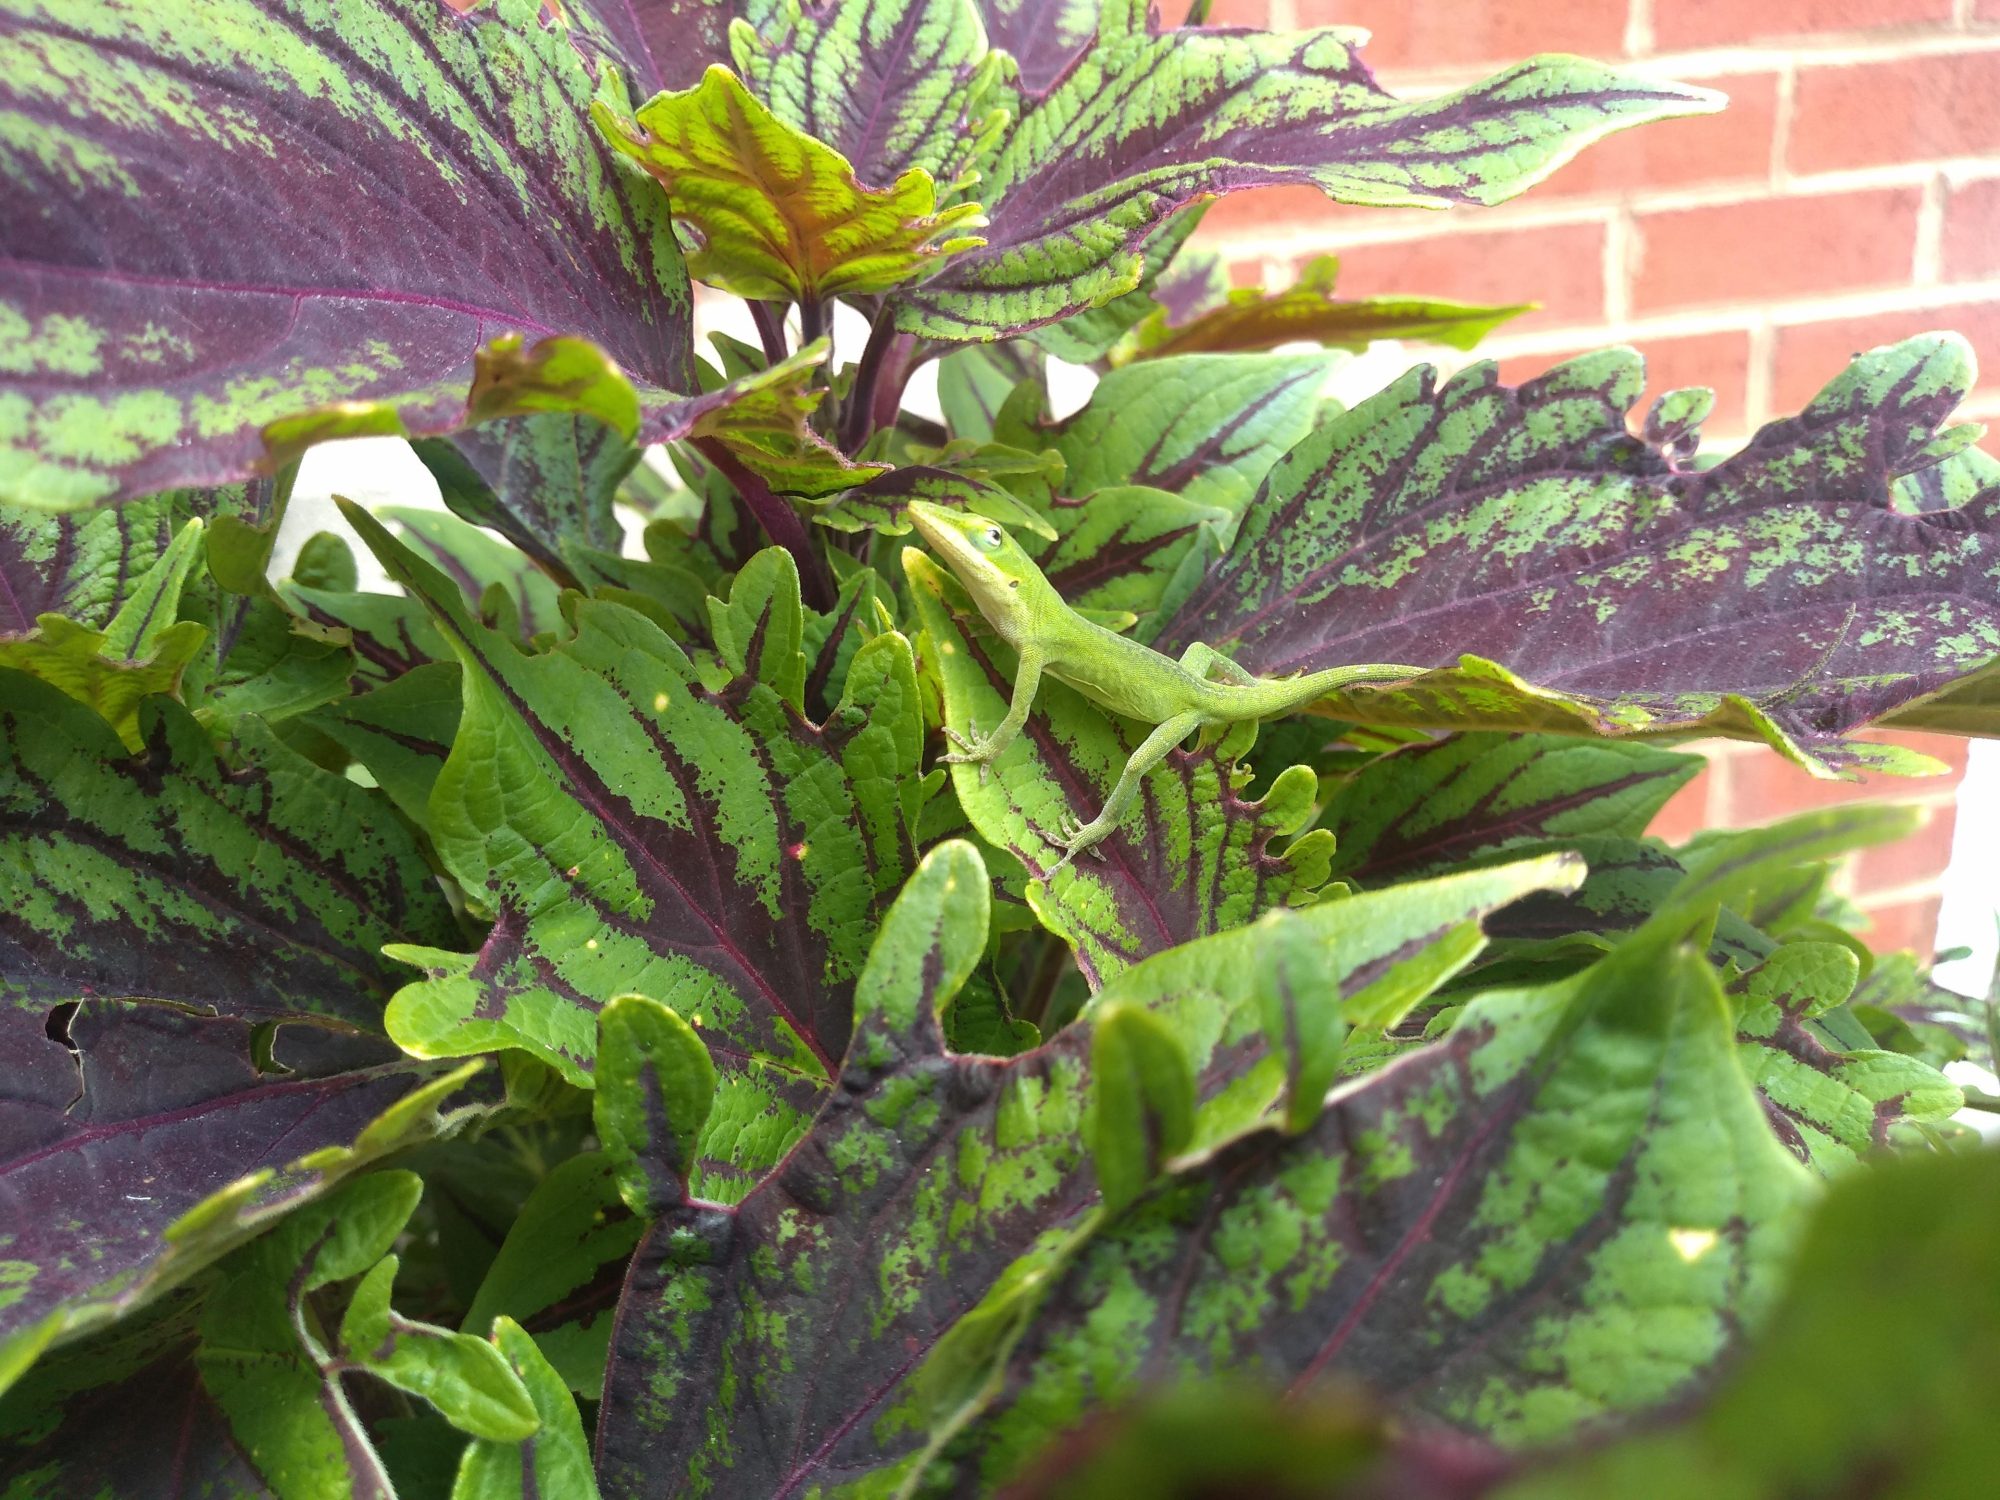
(55, 1026)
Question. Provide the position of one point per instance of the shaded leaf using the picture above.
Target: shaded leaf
(155, 1142)
(655, 1090)
(401, 733)
(163, 324)
(702, 843)
(775, 212)
(1777, 595)
(546, 483)
(560, 1269)
(114, 1413)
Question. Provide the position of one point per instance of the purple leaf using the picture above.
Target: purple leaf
(1780, 594)
(438, 183)
(138, 1143)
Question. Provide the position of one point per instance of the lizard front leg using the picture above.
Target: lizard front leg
(982, 750)
(1079, 837)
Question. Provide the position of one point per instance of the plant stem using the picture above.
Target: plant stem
(860, 423)
(781, 523)
(770, 329)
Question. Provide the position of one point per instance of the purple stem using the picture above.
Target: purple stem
(770, 329)
(781, 523)
(860, 421)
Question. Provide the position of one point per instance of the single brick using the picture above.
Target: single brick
(1734, 145)
(1765, 249)
(1679, 24)
(1720, 361)
(1972, 230)
(1431, 34)
(1906, 109)
(1809, 354)
(1559, 265)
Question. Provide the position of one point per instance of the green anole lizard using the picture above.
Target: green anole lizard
(1203, 688)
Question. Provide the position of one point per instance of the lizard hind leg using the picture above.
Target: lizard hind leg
(1204, 661)
(1081, 838)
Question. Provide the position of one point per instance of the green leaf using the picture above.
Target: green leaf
(555, 1462)
(703, 843)
(495, 578)
(141, 651)
(401, 733)
(655, 1089)
(1830, 1105)
(1779, 595)
(1196, 856)
(561, 1266)
(464, 1377)
(1207, 427)
(1488, 1229)
(1250, 318)
(1144, 1101)
(776, 213)
(546, 483)
(1433, 805)
(1872, 1366)
(937, 1194)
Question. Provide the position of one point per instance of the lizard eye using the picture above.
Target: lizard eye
(992, 537)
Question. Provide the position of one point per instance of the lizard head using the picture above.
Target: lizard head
(981, 555)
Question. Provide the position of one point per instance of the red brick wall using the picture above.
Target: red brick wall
(1850, 195)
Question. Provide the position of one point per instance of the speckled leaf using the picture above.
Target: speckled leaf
(1830, 1105)
(159, 320)
(1196, 857)
(156, 1140)
(1248, 318)
(925, 1175)
(1434, 805)
(1482, 1233)
(546, 483)
(1778, 595)
(1864, 1373)
(264, 890)
(775, 212)
(636, 826)
(1141, 124)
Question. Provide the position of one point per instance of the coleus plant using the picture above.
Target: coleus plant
(561, 986)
